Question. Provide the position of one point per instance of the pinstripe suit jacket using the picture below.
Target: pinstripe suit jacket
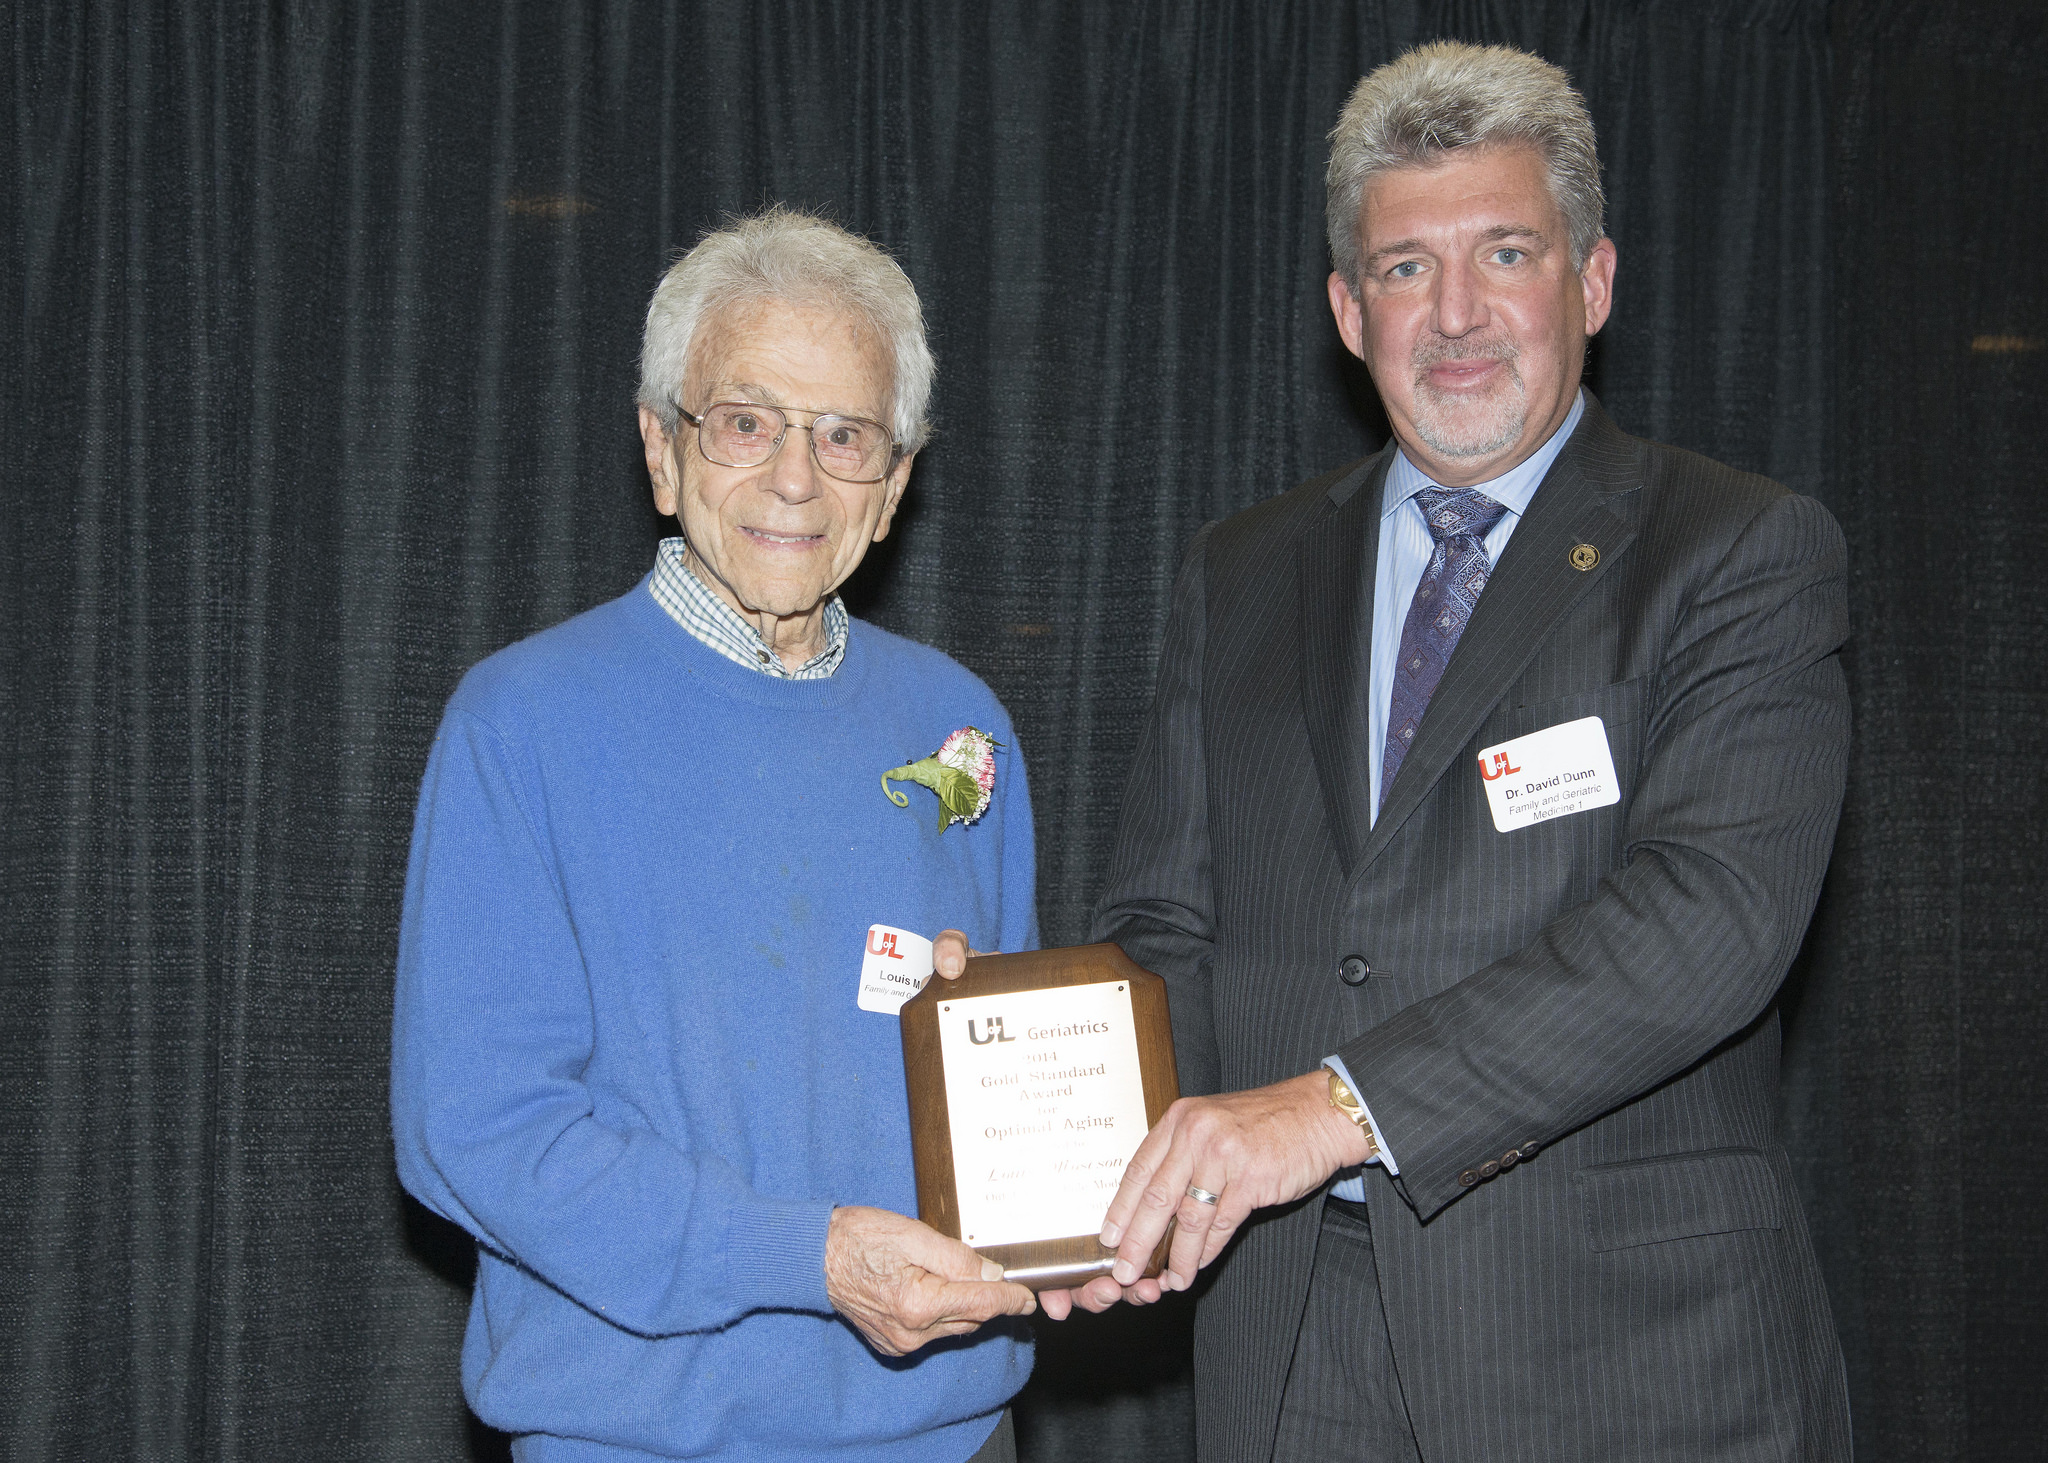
(1594, 1249)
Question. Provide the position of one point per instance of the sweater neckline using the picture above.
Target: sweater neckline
(722, 677)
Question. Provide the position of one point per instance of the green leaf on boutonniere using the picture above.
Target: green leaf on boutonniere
(962, 772)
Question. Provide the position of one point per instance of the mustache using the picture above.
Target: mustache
(1434, 350)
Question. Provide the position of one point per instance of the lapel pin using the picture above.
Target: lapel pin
(1584, 557)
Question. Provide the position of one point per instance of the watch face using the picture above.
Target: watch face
(1341, 1098)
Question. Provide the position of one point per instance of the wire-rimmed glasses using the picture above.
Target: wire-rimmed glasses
(747, 434)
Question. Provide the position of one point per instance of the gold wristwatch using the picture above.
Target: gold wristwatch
(1346, 1102)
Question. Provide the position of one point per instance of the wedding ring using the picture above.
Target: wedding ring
(1201, 1195)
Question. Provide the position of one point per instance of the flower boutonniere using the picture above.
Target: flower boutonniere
(962, 772)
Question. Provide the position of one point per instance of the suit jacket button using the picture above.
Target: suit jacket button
(1467, 1179)
(1353, 970)
(1510, 1158)
(1488, 1169)
(1529, 1148)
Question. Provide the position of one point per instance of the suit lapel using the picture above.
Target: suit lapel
(1527, 594)
(1338, 555)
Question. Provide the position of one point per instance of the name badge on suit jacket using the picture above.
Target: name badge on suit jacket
(1553, 773)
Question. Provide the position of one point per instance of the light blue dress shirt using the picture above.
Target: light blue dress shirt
(1405, 547)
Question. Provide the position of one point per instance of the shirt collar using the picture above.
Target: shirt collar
(692, 604)
(1512, 489)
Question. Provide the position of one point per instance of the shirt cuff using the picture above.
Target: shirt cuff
(1385, 1156)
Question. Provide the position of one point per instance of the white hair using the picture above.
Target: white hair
(1448, 95)
(799, 259)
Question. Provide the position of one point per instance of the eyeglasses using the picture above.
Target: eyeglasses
(747, 434)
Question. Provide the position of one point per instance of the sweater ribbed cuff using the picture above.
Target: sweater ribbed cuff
(775, 1254)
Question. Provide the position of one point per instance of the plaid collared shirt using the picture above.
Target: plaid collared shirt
(691, 604)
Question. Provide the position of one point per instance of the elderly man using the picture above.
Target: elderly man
(1481, 810)
(633, 1051)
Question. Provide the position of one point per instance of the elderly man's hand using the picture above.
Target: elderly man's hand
(1251, 1149)
(903, 1283)
(949, 954)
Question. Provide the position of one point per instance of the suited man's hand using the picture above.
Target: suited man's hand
(1251, 1149)
(1097, 1295)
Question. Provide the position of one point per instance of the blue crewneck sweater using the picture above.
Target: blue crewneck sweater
(626, 1054)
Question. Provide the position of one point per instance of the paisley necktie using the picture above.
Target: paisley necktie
(1458, 519)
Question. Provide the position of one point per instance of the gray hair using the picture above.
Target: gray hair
(1449, 95)
(799, 259)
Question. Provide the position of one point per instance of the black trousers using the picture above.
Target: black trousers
(1001, 1446)
(1343, 1399)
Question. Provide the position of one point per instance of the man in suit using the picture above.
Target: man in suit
(1481, 810)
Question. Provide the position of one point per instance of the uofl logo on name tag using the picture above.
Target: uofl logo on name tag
(893, 968)
(1553, 773)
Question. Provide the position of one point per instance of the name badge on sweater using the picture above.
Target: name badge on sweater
(1553, 773)
(894, 968)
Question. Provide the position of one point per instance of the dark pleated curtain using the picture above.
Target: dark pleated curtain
(318, 388)
(1924, 1048)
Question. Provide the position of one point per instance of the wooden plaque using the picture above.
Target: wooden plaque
(1054, 1064)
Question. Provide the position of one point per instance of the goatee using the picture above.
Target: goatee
(1456, 425)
